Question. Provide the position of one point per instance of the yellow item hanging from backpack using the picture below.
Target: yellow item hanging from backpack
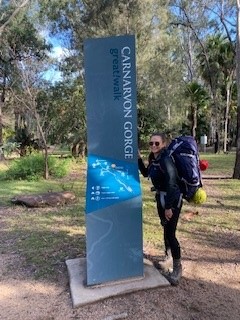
(199, 197)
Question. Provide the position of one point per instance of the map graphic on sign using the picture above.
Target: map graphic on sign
(109, 181)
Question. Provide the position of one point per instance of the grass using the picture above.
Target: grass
(47, 237)
(219, 163)
(44, 237)
(221, 212)
(12, 188)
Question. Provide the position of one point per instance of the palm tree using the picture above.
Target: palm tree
(217, 65)
(198, 99)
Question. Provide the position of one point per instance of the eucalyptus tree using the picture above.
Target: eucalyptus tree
(236, 173)
(26, 96)
(67, 100)
(222, 17)
(190, 21)
(158, 67)
(197, 20)
(229, 16)
(19, 41)
(9, 9)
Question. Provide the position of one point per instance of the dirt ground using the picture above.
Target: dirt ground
(209, 289)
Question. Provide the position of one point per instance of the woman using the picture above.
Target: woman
(163, 174)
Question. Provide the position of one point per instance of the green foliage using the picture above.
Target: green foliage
(59, 234)
(23, 40)
(59, 167)
(32, 167)
(67, 100)
(159, 68)
(8, 133)
(198, 103)
(177, 43)
(217, 65)
(9, 147)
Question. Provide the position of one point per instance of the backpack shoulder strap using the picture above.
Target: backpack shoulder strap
(174, 145)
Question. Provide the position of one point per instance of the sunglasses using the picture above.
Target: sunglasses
(151, 143)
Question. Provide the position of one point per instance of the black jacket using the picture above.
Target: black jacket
(164, 177)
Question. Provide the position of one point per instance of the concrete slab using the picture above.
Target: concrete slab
(82, 294)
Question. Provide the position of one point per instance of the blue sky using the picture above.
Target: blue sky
(58, 52)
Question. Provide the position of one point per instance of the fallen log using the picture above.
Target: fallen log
(51, 199)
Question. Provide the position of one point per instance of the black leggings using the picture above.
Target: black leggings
(169, 228)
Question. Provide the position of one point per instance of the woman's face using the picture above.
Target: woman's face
(156, 144)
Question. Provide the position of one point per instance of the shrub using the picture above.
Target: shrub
(32, 168)
(59, 167)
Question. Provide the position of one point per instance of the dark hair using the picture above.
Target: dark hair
(163, 136)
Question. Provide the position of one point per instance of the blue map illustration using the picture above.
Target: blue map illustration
(110, 181)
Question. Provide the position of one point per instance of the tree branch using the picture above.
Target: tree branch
(15, 12)
(224, 20)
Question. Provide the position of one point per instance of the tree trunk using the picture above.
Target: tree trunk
(236, 173)
(42, 135)
(82, 151)
(216, 143)
(225, 140)
(1, 123)
(1, 130)
(2, 100)
(194, 120)
(46, 169)
(74, 150)
(79, 149)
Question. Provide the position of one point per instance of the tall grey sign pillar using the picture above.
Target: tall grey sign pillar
(113, 195)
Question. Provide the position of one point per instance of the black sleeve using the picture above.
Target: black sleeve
(142, 168)
(171, 177)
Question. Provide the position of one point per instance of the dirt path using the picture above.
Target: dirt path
(210, 288)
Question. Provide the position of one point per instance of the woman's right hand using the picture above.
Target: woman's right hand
(168, 214)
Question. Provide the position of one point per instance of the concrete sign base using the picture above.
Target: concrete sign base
(82, 294)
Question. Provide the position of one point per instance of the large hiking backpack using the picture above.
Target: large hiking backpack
(184, 152)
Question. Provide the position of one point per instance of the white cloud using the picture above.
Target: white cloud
(52, 75)
(59, 52)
